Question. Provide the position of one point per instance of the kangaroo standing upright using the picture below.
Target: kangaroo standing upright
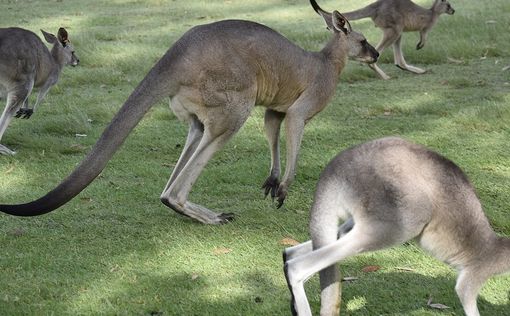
(25, 63)
(389, 191)
(215, 74)
(397, 16)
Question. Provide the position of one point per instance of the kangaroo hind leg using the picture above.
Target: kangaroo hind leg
(399, 58)
(199, 149)
(469, 283)
(15, 99)
(360, 238)
(389, 36)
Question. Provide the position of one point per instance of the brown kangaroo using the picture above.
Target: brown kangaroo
(25, 63)
(397, 16)
(386, 192)
(215, 74)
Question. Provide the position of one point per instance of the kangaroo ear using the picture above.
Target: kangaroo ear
(340, 23)
(63, 37)
(50, 38)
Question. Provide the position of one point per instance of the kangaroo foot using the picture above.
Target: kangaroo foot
(412, 69)
(199, 212)
(6, 151)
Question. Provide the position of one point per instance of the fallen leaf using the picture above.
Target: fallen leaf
(17, 232)
(11, 169)
(404, 269)
(491, 22)
(221, 251)
(289, 242)
(349, 279)
(436, 305)
(194, 276)
(371, 268)
(505, 68)
(454, 60)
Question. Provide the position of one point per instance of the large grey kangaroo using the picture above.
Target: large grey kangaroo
(397, 16)
(25, 63)
(214, 75)
(389, 191)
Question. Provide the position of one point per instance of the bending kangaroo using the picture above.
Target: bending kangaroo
(389, 191)
(397, 16)
(25, 63)
(215, 74)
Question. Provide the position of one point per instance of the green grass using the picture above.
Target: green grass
(116, 250)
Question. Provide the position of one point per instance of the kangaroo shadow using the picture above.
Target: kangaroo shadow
(405, 293)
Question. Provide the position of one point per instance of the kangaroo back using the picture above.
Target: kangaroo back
(367, 12)
(21, 53)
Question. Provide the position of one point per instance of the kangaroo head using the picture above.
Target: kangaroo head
(63, 50)
(358, 47)
(442, 6)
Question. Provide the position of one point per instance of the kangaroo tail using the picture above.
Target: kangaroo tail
(365, 12)
(139, 102)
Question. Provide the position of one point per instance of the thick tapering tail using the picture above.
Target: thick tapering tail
(139, 102)
(362, 13)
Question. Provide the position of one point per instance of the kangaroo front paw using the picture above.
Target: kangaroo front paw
(419, 45)
(28, 113)
(24, 113)
(6, 151)
(281, 194)
(271, 185)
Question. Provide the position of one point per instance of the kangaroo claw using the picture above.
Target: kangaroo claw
(271, 185)
(226, 217)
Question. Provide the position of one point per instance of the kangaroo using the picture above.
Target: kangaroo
(389, 191)
(397, 16)
(25, 63)
(215, 74)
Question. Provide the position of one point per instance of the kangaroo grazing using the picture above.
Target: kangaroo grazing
(214, 75)
(25, 63)
(389, 191)
(397, 16)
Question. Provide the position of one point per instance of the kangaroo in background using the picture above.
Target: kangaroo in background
(25, 63)
(215, 74)
(389, 191)
(397, 16)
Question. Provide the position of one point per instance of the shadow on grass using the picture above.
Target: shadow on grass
(407, 293)
(257, 294)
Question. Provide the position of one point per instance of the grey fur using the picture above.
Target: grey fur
(389, 191)
(25, 63)
(397, 16)
(215, 74)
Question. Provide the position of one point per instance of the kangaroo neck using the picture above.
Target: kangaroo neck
(336, 52)
(49, 67)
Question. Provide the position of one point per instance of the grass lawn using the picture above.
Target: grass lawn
(116, 250)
